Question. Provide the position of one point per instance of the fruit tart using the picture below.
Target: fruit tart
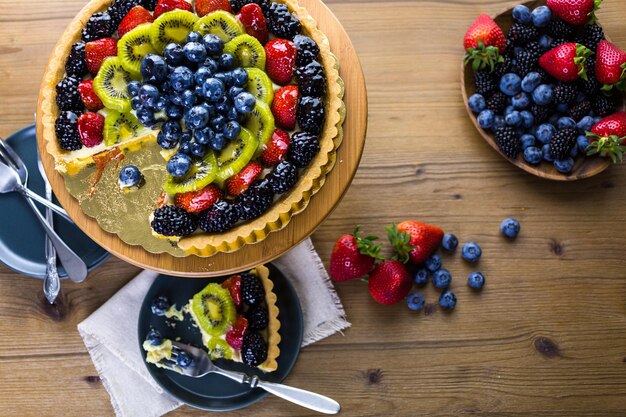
(242, 98)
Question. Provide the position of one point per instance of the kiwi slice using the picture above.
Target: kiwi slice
(213, 309)
(261, 123)
(220, 23)
(260, 85)
(111, 85)
(120, 127)
(201, 174)
(234, 157)
(247, 50)
(219, 349)
(133, 46)
(171, 27)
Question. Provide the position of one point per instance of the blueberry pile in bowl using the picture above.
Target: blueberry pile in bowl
(546, 88)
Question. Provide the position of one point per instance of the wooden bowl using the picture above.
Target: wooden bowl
(584, 167)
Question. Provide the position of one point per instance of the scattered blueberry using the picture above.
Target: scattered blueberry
(421, 276)
(522, 14)
(486, 119)
(533, 155)
(130, 176)
(510, 84)
(498, 123)
(476, 281)
(543, 94)
(433, 262)
(508, 109)
(154, 338)
(179, 165)
(415, 301)
(183, 359)
(541, 16)
(545, 42)
(442, 278)
(185, 148)
(164, 142)
(471, 252)
(510, 228)
(449, 242)
(564, 166)
(173, 111)
(447, 300)
(217, 142)
(160, 305)
(146, 117)
(171, 130)
(240, 77)
(573, 153)
(148, 94)
(201, 75)
(477, 103)
(188, 99)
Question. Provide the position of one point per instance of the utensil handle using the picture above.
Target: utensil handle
(303, 398)
(31, 195)
(52, 283)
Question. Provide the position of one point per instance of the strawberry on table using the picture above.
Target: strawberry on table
(566, 62)
(575, 12)
(389, 282)
(204, 7)
(197, 201)
(414, 241)
(97, 51)
(285, 106)
(608, 137)
(240, 182)
(485, 43)
(276, 149)
(610, 65)
(138, 15)
(89, 97)
(252, 18)
(353, 257)
(280, 62)
(90, 127)
(169, 5)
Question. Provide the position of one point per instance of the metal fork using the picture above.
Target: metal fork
(13, 174)
(51, 282)
(202, 365)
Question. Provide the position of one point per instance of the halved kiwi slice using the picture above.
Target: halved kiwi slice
(120, 127)
(260, 85)
(236, 155)
(201, 174)
(133, 46)
(213, 309)
(247, 50)
(171, 27)
(261, 123)
(111, 85)
(220, 23)
(219, 349)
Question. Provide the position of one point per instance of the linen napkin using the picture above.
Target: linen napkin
(110, 333)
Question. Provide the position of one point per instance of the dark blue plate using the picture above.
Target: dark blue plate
(214, 392)
(21, 236)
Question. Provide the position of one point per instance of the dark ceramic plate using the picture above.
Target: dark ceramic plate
(21, 236)
(214, 392)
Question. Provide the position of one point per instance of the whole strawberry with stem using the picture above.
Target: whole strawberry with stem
(608, 137)
(389, 282)
(566, 62)
(575, 12)
(414, 241)
(353, 256)
(610, 66)
(484, 43)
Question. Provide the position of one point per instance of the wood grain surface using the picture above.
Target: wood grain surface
(545, 338)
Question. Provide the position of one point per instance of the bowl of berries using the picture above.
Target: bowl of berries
(544, 86)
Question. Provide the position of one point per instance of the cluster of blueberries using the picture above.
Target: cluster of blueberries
(200, 93)
(442, 278)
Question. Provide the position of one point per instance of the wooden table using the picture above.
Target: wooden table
(547, 337)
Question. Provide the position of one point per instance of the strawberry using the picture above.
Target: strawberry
(169, 5)
(280, 62)
(241, 181)
(575, 12)
(136, 16)
(610, 65)
(89, 96)
(204, 7)
(276, 149)
(389, 282)
(97, 51)
(484, 42)
(414, 240)
(284, 107)
(252, 18)
(90, 127)
(353, 257)
(566, 62)
(197, 201)
(608, 137)
(234, 336)
(233, 284)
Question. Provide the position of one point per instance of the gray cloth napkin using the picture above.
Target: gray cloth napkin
(110, 333)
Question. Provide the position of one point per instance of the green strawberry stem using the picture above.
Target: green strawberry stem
(582, 53)
(620, 85)
(401, 242)
(367, 246)
(483, 57)
(610, 146)
(592, 14)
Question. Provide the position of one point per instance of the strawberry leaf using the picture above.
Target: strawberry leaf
(401, 242)
(367, 246)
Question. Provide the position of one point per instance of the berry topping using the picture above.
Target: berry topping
(283, 177)
(254, 347)
(304, 146)
(241, 181)
(136, 16)
(163, 6)
(130, 176)
(90, 128)
(99, 25)
(280, 60)
(88, 96)
(197, 201)
(253, 202)
(252, 290)
(253, 20)
(234, 336)
(173, 221)
(276, 149)
(308, 51)
(233, 284)
(311, 114)
(281, 22)
(312, 79)
(97, 51)
(219, 218)
(66, 128)
(68, 97)
(204, 7)
(285, 107)
(237, 5)
(160, 305)
(75, 65)
(257, 318)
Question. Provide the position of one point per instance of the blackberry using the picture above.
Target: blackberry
(485, 82)
(580, 110)
(283, 177)
(281, 22)
(236, 5)
(68, 97)
(120, 8)
(559, 42)
(312, 79)
(173, 221)
(149, 4)
(520, 34)
(255, 201)
(592, 36)
(503, 67)
(75, 65)
(66, 128)
(564, 93)
(218, 218)
(534, 49)
(557, 28)
(590, 86)
(257, 318)
(99, 25)
(526, 62)
(311, 114)
(497, 102)
(540, 113)
(254, 349)
(562, 143)
(507, 141)
(303, 148)
(308, 51)
(602, 105)
(252, 291)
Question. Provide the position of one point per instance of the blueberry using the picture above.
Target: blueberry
(573, 153)
(223, 106)
(232, 114)
(545, 132)
(164, 142)
(447, 300)
(545, 42)
(197, 149)
(513, 119)
(176, 98)
(415, 301)
(509, 228)
(213, 89)
(564, 166)
(471, 252)
(433, 262)
(541, 16)
(449, 242)
(244, 102)
(154, 338)
(183, 359)
(521, 101)
(225, 77)
(181, 78)
(421, 276)
(522, 14)
(217, 123)
(234, 91)
(486, 119)
(185, 137)
(217, 142)
(133, 88)
(185, 148)
(188, 99)
(553, 119)
(528, 120)
(146, 117)
(195, 52)
(153, 69)
(148, 94)
(171, 130)
(240, 77)
(179, 165)
(498, 123)
(173, 111)
(174, 54)
(531, 81)
(213, 44)
(585, 124)
(211, 64)
(582, 142)
(196, 117)
(527, 141)
(510, 84)
(203, 136)
(198, 92)
(231, 130)
(201, 75)
(135, 103)
(543, 94)
(533, 155)
(160, 305)
(160, 104)
(442, 278)
(226, 62)
(476, 280)
(508, 109)
(130, 176)
(547, 155)
(194, 37)
(477, 103)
